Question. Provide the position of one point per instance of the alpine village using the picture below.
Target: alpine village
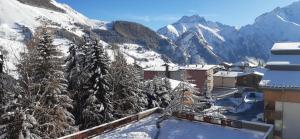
(64, 75)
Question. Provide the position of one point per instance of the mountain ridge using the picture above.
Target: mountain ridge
(251, 41)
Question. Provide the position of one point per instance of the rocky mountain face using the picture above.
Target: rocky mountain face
(202, 40)
(214, 42)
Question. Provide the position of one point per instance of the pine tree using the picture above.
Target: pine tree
(16, 120)
(127, 92)
(52, 101)
(43, 110)
(158, 92)
(76, 76)
(97, 108)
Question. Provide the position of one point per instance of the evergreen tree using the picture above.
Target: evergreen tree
(97, 108)
(127, 90)
(158, 92)
(76, 76)
(52, 102)
(43, 104)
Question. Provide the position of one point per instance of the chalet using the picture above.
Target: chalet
(233, 79)
(281, 88)
(226, 79)
(201, 75)
(250, 79)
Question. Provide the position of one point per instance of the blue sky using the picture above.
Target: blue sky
(158, 13)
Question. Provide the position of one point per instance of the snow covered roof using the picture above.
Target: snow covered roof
(162, 68)
(198, 67)
(229, 73)
(175, 83)
(244, 63)
(286, 47)
(284, 60)
(173, 128)
(236, 73)
(175, 68)
(281, 79)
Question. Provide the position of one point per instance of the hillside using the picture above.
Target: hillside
(20, 18)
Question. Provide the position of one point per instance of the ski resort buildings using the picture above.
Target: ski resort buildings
(200, 75)
(281, 87)
(233, 79)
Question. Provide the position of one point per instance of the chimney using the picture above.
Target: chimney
(167, 72)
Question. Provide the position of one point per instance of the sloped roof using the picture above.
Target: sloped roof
(286, 48)
(198, 67)
(284, 67)
(175, 68)
(175, 83)
(236, 73)
(162, 68)
(281, 79)
(284, 60)
(230, 73)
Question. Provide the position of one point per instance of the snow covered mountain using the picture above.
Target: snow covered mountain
(279, 25)
(212, 41)
(203, 40)
(20, 18)
(192, 39)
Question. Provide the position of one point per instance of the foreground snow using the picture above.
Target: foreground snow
(178, 129)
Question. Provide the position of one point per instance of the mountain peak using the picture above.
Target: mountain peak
(192, 19)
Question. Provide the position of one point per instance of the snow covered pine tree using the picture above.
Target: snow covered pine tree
(76, 76)
(97, 107)
(16, 119)
(44, 112)
(126, 88)
(158, 92)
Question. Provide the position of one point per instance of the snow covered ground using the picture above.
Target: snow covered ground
(246, 107)
(142, 57)
(13, 21)
(178, 129)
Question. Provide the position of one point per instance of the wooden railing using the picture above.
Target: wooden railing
(98, 130)
(89, 133)
(261, 127)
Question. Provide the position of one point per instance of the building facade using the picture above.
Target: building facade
(281, 88)
(200, 75)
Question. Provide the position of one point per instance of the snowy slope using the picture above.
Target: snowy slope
(12, 12)
(18, 22)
